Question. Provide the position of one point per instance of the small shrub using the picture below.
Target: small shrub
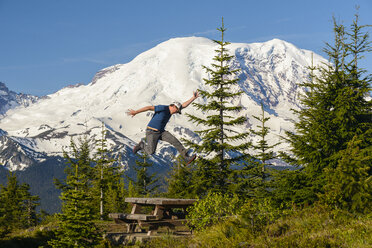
(213, 208)
(259, 213)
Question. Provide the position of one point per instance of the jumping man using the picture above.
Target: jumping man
(155, 130)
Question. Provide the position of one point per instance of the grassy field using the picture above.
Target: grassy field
(310, 227)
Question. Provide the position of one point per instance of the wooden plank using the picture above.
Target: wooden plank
(143, 217)
(120, 218)
(117, 215)
(161, 201)
(170, 222)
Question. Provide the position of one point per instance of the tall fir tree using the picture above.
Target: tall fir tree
(76, 222)
(336, 108)
(145, 184)
(253, 177)
(264, 151)
(30, 202)
(107, 183)
(116, 193)
(219, 148)
(350, 182)
(79, 159)
(17, 206)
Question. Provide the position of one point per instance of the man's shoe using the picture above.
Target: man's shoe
(189, 159)
(138, 147)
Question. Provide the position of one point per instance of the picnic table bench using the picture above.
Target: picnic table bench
(164, 214)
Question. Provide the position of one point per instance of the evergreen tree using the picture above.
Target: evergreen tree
(253, 178)
(79, 160)
(29, 216)
(4, 228)
(107, 180)
(249, 179)
(335, 108)
(116, 193)
(350, 184)
(181, 181)
(219, 146)
(291, 187)
(144, 184)
(17, 206)
(132, 192)
(11, 198)
(264, 151)
(76, 222)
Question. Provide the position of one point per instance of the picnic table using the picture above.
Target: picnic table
(165, 212)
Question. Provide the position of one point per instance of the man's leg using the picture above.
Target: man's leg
(168, 137)
(152, 138)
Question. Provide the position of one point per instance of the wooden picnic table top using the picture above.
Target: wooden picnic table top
(160, 201)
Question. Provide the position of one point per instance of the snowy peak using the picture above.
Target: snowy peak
(281, 51)
(104, 72)
(271, 71)
(10, 99)
(16, 156)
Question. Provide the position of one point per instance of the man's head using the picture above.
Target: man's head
(175, 108)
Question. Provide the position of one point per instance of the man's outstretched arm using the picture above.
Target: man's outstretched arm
(132, 112)
(187, 103)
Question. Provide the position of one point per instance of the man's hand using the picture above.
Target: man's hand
(196, 94)
(131, 112)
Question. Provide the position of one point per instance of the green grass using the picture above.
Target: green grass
(317, 227)
(27, 238)
(311, 227)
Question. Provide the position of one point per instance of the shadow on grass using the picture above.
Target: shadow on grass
(39, 239)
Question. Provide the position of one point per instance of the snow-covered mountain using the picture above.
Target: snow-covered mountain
(270, 73)
(10, 99)
(16, 156)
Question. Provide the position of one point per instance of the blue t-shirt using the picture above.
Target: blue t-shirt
(160, 118)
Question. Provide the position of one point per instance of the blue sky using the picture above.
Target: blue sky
(46, 45)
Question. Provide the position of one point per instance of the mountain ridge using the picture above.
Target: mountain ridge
(172, 70)
(10, 99)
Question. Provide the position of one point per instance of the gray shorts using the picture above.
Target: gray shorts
(153, 137)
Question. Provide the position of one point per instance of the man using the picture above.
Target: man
(155, 130)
